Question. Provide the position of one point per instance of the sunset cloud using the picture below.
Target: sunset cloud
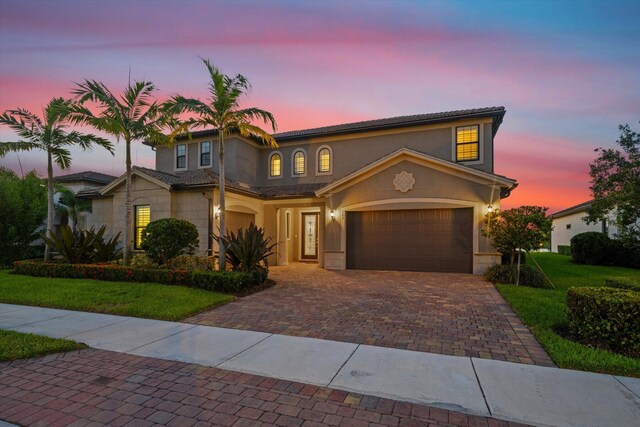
(566, 83)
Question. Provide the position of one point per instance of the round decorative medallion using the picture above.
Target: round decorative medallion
(404, 181)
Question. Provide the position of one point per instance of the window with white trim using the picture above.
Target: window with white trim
(142, 218)
(467, 143)
(324, 160)
(275, 165)
(205, 153)
(299, 163)
(181, 156)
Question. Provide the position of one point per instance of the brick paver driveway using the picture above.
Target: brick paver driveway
(96, 388)
(455, 314)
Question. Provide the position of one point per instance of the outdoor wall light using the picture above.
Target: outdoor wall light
(333, 215)
(216, 211)
(490, 208)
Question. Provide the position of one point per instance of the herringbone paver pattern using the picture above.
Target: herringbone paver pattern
(445, 313)
(96, 387)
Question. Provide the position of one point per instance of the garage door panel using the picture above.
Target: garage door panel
(421, 240)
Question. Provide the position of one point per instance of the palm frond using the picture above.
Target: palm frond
(61, 156)
(24, 123)
(86, 141)
(16, 146)
(249, 130)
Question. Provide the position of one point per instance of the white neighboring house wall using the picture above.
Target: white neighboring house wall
(567, 226)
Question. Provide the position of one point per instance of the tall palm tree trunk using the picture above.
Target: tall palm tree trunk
(223, 251)
(126, 253)
(47, 248)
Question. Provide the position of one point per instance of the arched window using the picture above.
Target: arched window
(275, 165)
(324, 160)
(298, 163)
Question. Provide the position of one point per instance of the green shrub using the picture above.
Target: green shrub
(606, 318)
(564, 250)
(192, 263)
(74, 247)
(249, 249)
(109, 272)
(226, 281)
(630, 283)
(219, 281)
(592, 248)
(625, 253)
(507, 274)
(506, 258)
(167, 238)
(140, 260)
(106, 250)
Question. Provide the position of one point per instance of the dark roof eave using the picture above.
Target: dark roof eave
(497, 113)
(497, 121)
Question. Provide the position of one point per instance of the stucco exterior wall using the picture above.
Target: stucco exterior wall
(102, 213)
(248, 162)
(432, 189)
(561, 235)
(193, 207)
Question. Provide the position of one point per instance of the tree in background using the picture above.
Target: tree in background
(47, 134)
(133, 116)
(221, 111)
(519, 229)
(70, 205)
(615, 186)
(23, 209)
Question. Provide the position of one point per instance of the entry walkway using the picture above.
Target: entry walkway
(515, 392)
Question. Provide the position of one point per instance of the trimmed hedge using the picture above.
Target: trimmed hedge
(219, 281)
(507, 274)
(606, 318)
(564, 250)
(592, 247)
(630, 283)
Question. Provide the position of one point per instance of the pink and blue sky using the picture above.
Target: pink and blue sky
(567, 72)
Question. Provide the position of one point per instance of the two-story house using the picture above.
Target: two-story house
(402, 193)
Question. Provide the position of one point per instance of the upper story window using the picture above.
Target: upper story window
(141, 220)
(299, 163)
(467, 143)
(275, 165)
(181, 156)
(324, 160)
(205, 153)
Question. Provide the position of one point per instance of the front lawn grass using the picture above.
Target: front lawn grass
(149, 300)
(16, 345)
(543, 310)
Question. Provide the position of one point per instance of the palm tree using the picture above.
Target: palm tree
(221, 111)
(134, 116)
(69, 204)
(47, 134)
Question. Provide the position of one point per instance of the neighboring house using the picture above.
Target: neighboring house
(76, 182)
(569, 222)
(403, 193)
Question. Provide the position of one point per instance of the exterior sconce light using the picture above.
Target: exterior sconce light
(490, 208)
(216, 211)
(333, 215)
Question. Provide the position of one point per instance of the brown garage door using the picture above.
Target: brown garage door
(416, 240)
(237, 220)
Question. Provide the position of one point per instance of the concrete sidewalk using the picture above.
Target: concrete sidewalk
(515, 392)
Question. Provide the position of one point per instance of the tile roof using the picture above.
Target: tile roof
(573, 209)
(390, 122)
(91, 176)
(206, 177)
(415, 119)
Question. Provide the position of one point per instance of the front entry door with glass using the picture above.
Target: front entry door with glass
(310, 236)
